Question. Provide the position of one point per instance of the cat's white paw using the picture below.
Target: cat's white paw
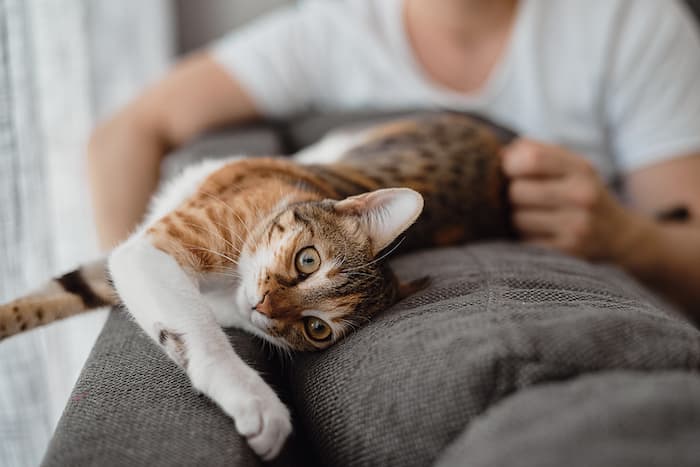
(258, 413)
(262, 419)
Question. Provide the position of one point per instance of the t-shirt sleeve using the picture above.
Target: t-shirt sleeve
(273, 58)
(653, 93)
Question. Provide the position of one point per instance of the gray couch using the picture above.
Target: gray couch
(514, 356)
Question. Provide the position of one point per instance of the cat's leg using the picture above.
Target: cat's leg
(166, 302)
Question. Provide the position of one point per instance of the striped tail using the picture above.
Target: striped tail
(78, 291)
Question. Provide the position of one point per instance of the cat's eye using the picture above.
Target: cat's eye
(308, 260)
(317, 329)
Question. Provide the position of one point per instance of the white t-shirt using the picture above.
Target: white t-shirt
(617, 81)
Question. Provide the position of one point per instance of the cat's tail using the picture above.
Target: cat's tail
(78, 291)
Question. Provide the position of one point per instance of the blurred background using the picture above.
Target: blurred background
(65, 64)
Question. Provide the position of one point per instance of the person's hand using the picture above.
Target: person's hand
(560, 201)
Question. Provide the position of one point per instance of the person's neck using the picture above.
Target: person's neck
(463, 21)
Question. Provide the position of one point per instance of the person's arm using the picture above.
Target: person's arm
(125, 152)
(667, 255)
(560, 202)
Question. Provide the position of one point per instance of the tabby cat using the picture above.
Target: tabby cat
(290, 251)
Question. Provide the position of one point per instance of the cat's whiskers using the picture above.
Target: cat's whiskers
(233, 232)
(398, 244)
(279, 347)
(265, 345)
(340, 263)
(209, 250)
(353, 326)
(227, 269)
(366, 319)
(227, 273)
(228, 242)
(233, 211)
(354, 273)
(285, 353)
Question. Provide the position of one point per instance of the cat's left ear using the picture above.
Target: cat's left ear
(384, 214)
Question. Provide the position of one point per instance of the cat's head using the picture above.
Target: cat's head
(315, 271)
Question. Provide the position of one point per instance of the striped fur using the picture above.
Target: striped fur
(78, 291)
(249, 205)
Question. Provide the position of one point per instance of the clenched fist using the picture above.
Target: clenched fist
(560, 201)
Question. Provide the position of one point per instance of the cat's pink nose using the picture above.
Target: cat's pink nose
(265, 306)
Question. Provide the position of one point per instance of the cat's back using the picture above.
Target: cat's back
(451, 159)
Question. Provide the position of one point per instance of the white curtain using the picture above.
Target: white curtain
(63, 65)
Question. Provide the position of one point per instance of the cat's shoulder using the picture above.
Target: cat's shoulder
(183, 186)
(207, 176)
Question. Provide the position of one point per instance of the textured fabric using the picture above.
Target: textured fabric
(497, 318)
(133, 406)
(604, 420)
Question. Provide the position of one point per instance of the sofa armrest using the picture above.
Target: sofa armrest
(133, 406)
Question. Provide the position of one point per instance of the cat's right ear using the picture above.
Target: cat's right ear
(383, 214)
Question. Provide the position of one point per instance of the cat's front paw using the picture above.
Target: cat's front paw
(263, 420)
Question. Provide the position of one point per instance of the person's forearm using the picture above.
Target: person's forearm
(125, 153)
(666, 257)
(123, 167)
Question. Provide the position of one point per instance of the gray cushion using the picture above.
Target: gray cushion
(619, 419)
(132, 406)
(498, 318)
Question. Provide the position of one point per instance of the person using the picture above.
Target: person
(599, 90)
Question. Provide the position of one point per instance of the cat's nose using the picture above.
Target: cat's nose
(264, 306)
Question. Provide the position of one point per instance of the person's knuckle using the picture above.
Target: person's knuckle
(514, 190)
(587, 168)
(581, 227)
(517, 145)
(535, 157)
(518, 191)
(519, 219)
(584, 193)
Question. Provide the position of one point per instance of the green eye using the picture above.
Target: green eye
(317, 329)
(308, 260)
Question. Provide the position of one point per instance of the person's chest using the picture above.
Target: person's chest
(547, 83)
